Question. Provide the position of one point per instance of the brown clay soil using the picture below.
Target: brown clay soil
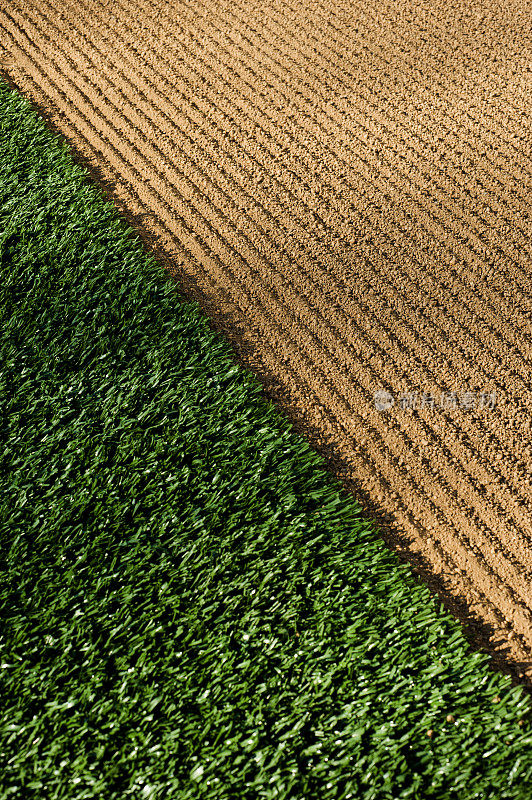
(345, 188)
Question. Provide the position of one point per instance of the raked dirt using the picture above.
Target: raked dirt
(345, 187)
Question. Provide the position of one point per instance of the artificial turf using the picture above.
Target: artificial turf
(191, 606)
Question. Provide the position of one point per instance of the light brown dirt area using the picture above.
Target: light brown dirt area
(345, 188)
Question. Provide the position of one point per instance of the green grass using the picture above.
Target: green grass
(191, 607)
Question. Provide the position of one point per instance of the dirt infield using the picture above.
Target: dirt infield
(345, 188)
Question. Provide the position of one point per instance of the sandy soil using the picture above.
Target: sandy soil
(345, 188)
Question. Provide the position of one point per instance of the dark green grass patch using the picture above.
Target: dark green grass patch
(190, 605)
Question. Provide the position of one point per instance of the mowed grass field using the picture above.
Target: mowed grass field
(191, 606)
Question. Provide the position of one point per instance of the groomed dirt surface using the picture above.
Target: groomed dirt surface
(345, 187)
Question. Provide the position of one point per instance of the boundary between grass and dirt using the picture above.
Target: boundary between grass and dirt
(191, 605)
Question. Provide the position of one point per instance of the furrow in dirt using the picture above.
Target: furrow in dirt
(349, 201)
